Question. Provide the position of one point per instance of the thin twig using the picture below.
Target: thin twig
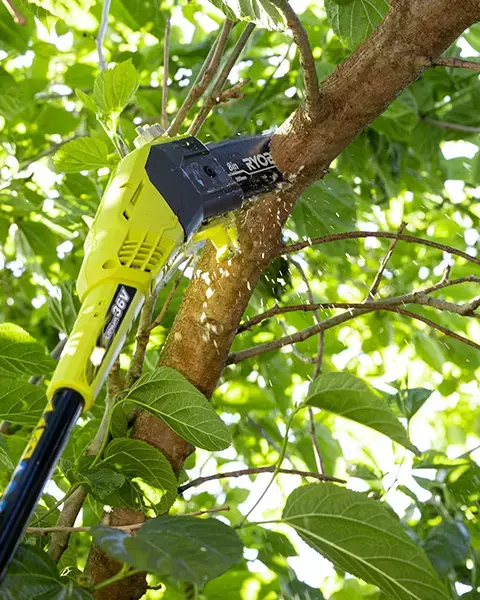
(16, 14)
(133, 527)
(141, 339)
(312, 93)
(166, 50)
(352, 235)
(378, 277)
(451, 126)
(158, 320)
(101, 35)
(419, 297)
(318, 367)
(352, 313)
(457, 63)
(204, 78)
(256, 471)
(221, 79)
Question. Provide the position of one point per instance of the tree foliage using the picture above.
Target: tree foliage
(380, 395)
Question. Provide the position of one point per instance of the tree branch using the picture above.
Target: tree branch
(256, 471)
(166, 50)
(455, 62)
(102, 65)
(204, 78)
(353, 235)
(16, 14)
(312, 93)
(221, 80)
(128, 528)
(451, 126)
(383, 264)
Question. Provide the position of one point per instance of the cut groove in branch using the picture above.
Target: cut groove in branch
(312, 93)
(204, 78)
(256, 471)
(221, 79)
(352, 235)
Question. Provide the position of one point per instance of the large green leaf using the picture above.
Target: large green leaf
(63, 307)
(148, 471)
(33, 574)
(362, 536)
(447, 545)
(346, 395)
(114, 88)
(354, 21)
(170, 397)
(83, 154)
(261, 12)
(20, 354)
(328, 206)
(21, 402)
(185, 548)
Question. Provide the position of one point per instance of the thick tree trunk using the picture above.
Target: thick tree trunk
(359, 90)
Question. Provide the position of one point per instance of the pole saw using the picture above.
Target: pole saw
(161, 195)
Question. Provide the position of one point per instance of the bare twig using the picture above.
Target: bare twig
(457, 63)
(312, 93)
(451, 126)
(128, 528)
(419, 297)
(318, 360)
(101, 35)
(352, 235)
(16, 14)
(141, 339)
(204, 78)
(256, 471)
(221, 79)
(158, 320)
(383, 264)
(354, 311)
(166, 50)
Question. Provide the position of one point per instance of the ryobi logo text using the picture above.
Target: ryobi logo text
(259, 161)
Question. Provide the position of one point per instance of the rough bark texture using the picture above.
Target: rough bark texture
(356, 93)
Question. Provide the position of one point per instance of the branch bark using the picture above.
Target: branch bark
(456, 63)
(356, 93)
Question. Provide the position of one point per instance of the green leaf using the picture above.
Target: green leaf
(143, 465)
(102, 483)
(20, 354)
(328, 206)
(354, 21)
(362, 536)
(400, 118)
(261, 12)
(346, 395)
(86, 100)
(33, 574)
(168, 395)
(447, 545)
(63, 307)
(114, 88)
(406, 403)
(20, 402)
(185, 548)
(83, 154)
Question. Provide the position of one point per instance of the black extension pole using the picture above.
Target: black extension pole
(35, 469)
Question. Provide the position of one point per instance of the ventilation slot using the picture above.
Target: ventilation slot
(140, 254)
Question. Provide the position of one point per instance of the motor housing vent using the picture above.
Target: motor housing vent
(142, 252)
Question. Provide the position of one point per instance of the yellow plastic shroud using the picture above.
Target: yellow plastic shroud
(133, 236)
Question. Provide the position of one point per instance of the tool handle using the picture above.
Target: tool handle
(107, 313)
(35, 469)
